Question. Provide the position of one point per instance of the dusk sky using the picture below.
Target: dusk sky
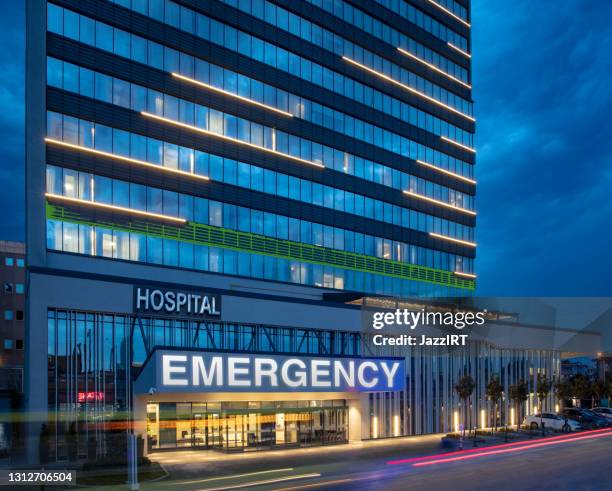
(543, 98)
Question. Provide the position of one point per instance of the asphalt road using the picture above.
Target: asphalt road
(577, 462)
(576, 466)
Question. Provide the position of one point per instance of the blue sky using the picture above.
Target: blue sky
(543, 98)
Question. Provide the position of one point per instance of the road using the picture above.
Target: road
(577, 462)
(576, 466)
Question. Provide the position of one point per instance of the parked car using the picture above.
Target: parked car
(606, 412)
(587, 419)
(551, 421)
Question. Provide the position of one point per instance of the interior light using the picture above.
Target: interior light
(447, 172)
(114, 208)
(438, 202)
(452, 239)
(230, 94)
(228, 138)
(407, 87)
(125, 159)
(433, 67)
(452, 14)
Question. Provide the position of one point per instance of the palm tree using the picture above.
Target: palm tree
(542, 390)
(495, 391)
(563, 391)
(464, 388)
(518, 393)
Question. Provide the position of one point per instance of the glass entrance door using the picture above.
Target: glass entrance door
(214, 425)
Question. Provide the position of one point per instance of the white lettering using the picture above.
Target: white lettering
(181, 299)
(390, 373)
(168, 369)
(159, 303)
(170, 302)
(300, 380)
(142, 298)
(361, 374)
(205, 309)
(348, 376)
(320, 368)
(233, 371)
(215, 370)
(270, 371)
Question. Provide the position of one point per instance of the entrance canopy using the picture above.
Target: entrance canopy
(172, 370)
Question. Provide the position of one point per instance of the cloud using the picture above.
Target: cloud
(542, 87)
(12, 121)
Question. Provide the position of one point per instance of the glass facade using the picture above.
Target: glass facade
(248, 425)
(92, 357)
(121, 142)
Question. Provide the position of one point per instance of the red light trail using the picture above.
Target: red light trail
(502, 448)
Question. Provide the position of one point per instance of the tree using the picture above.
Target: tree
(563, 391)
(495, 391)
(464, 388)
(518, 394)
(598, 390)
(542, 390)
(581, 387)
(609, 388)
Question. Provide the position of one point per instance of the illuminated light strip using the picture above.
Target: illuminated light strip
(126, 159)
(469, 276)
(406, 87)
(230, 94)
(441, 203)
(469, 149)
(433, 67)
(236, 476)
(464, 53)
(316, 484)
(114, 208)
(492, 447)
(229, 138)
(261, 483)
(451, 239)
(452, 14)
(447, 172)
(510, 450)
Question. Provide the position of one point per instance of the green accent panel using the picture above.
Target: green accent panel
(200, 234)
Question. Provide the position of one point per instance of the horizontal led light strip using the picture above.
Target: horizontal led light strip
(126, 159)
(447, 172)
(451, 239)
(459, 50)
(228, 138)
(452, 14)
(406, 87)
(122, 209)
(230, 94)
(441, 203)
(433, 67)
(465, 275)
(465, 147)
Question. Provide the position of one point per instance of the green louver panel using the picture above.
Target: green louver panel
(196, 233)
